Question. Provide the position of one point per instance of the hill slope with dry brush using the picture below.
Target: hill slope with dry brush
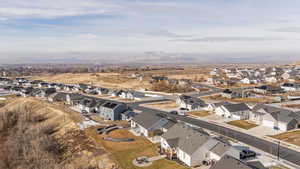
(38, 135)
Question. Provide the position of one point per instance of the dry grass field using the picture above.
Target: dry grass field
(239, 100)
(242, 124)
(292, 137)
(109, 80)
(200, 113)
(162, 105)
(79, 150)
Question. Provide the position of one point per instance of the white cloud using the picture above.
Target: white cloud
(13, 9)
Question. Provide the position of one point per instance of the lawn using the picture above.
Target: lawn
(125, 153)
(242, 124)
(292, 137)
(200, 113)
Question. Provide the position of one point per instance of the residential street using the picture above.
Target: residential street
(285, 153)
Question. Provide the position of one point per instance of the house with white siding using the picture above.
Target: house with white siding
(238, 111)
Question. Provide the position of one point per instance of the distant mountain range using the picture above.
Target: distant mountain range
(152, 57)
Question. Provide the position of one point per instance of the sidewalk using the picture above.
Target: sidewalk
(288, 145)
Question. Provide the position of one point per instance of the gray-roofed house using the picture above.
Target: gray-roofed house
(87, 104)
(221, 149)
(190, 103)
(238, 111)
(274, 117)
(189, 145)
(213, 106)
(132, 95)
(146, 124)
(58, 97)
(74, 98)
(229, 162)
(112, 111)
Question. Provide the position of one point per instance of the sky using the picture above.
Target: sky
(40, 28)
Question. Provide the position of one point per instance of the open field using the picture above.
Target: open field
(242, 124)
(292, 137)
(200, 113)
(239, 100)
(125, 153)
(162, 105)
(109, 80)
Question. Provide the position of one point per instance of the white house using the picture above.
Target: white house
(236, 111)
(274, 117)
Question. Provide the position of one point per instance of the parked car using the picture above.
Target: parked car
(174, 112)
(247, 154)
(84, 112)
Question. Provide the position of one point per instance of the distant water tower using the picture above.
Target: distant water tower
(4, 74)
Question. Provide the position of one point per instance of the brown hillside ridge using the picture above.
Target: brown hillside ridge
(47, 125)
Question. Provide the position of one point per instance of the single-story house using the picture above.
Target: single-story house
(291, 87)
(74, 98)
(212, 106)
(238, 111)
(193, 146)
(268, 89)
(274, 117)
(148, 124)
(58, 97)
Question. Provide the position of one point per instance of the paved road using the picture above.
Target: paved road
(270, 147)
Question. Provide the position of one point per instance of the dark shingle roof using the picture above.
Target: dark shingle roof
(189, 139)
(146, 119)
(236, 107)
(229, 162)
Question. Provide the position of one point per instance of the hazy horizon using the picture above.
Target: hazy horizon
(40, 31)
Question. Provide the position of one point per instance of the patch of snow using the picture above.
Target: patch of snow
(87, 123)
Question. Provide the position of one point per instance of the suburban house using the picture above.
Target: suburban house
(74, 98)
(26, 91)
(112, 110)
(190, 103)
(238, 111)
(115, 93)
(249, 80)
(132, 95)
(232, 94)
(58, 97)
(102, 91)
(271, 79)
(148, 124)
(291, 87)
(212, 106)
(274, 117)
(268, 89)
(128, 115)
(192, 146)
(230, 162)
(87, 104)
(47, 92)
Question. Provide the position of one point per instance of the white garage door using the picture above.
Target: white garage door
(268, 123)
